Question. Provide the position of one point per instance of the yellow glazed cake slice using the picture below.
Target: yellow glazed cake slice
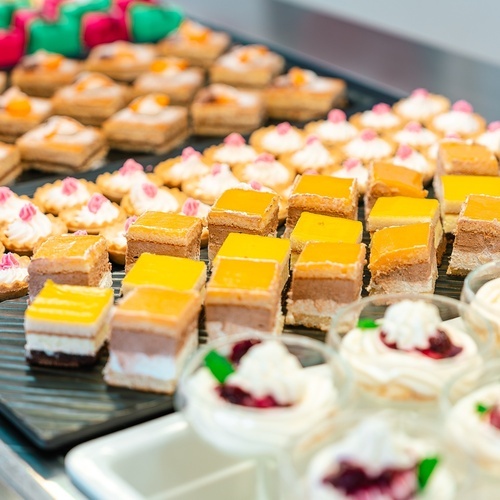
(164, 234)
(153, 332)
(243, 295)
(242, 211)
(322, 194)
(477, 238)
(66, 325)
(325, 277)
(165, 271)
(403, 259)
(460, 158)
(321, 228)
(255, 247)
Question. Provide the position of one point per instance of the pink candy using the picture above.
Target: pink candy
(188, 153)
(413, 127)
(310, 171)
(130, 167)
(336, 116)
(8, 261)
(129, 222)
(216, 169)
(368, 134)
(381, 108)
(256, 185)
(5, 194)
(351, 163)
(69, 186)
(283, 128)
(312, 139)
(80, 232)
(452, 135)
(265, 157)
(463, 107)
(150, 189)
(234, 140)
(493, 126)
(96, 202)
(27, 212)
(420, 93)
(404, 151)
(191, 207)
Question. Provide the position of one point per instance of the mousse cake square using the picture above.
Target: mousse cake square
(459, 158)
(153, 332)
(66, 326)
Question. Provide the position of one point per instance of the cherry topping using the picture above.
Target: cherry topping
(494, 416)
(237, 396)
(240, 349)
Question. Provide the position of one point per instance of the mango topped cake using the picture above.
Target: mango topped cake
(403, 259)
(322, 228)
(458, 158)
(70, 260)
(165, 271)
(452, 191)
(164, 234)
(242, 211)
(255, 247)
(322, 194)
(243, 296)
(477, 237)
(153, 332)
(325, 277)
(66, 326)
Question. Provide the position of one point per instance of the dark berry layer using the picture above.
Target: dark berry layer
(240, 349)
(237, 396)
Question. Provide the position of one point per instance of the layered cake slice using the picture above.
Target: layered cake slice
(255, 247)
(452, 191)
(402, 210)
(403, 259)
(153, 331)
(322, 194)
(243, 296)
(70, 260)
(165, 271)
(386, 179)
(164, 234)
(461, 158)
(321, 228)
(477, 238)
(66, 326)
(242, 211)
(325, 277)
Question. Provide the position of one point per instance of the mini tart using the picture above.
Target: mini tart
(13, 276)
(368, 146)
(195, 208)
(147, 197)
(460, 120)
(410, 158)
(414, 134)
(209, 187)
(10, 204)
(334, 131)
(380, 118)
(115, 185)
(63, 193)
(268, 171)
(29, 229)
(233, 151)
(278, 139)
(116, 240)
(174, 171)
(94, 216)
(421, 106)
(313, 156)
(351, 168)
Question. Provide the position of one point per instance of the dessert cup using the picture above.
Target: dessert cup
(403, 348)
(293, 399)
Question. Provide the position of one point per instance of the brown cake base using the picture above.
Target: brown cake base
(62, 360)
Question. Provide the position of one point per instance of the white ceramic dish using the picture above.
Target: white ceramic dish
(160, 460)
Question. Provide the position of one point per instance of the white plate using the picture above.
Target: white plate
(160, 460)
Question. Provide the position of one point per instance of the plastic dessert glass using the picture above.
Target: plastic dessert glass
(482, 291)
(292, 384)
(403, 348)
(471, 413)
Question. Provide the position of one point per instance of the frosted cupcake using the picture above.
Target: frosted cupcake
(116, 239)
(380, 118)
(368, 146)
(277, 139)
(352, 168)
(491, 138)
(233, 151)
(335, 130)
(421, 106)
(410, 158)
(461, 120)
(416, 135)
(147, 197)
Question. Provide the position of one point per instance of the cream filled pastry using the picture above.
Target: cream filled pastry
(209, 187)
(312, 156)
(147, 197)
(376, 462)
(410, 354)
(333, 131)
(421, 105)
(13, 276)
(410, 158)
(233, 150)
(195, 208)
(461, 119)
(491, 138)
(268, 389)
(415, 135)
(367, 146)
(279, 139)
(10, 204)
(380, 118)
(352, 168)
(116, 239)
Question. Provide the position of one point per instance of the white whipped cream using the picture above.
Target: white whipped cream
(269, 173)
(313, 155)
(171, 76)
(13, 275)
(415, 161)
(359, 172)
(491, 140)
(163, 201)
(27, 233)
(200, 210)
(336, 132)
(123, 183)
(56, 197)
(148, 106)
(9, 209)
(106, 214)
(277, 143)
(235, 154)
(246, 99)
(457, 122)
(368, 150)
(370, 119)
(421, 138)
(63, 130)
(421, 107)
(489, 294)
(185, 169)
(241, 58)
(214, 185)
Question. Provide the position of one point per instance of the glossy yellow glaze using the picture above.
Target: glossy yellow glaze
(66, 246)
(175, 223)
(244, 200)
(251, 246)
(324, 185)
(338, 253)
(458, 187)
(482, 207)
(240, 274)
(407, 182)
(404, 206)
(466, 152)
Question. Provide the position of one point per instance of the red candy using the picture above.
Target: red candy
(103, 27)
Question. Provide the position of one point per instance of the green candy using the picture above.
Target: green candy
(150, 23)
(220, 366)
(78, 9)
(62, 36)
(425, 469)
(481, 409)
(7, 9)
(367, 324)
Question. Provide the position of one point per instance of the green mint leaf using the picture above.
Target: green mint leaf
(220, 366)
(367, 323)
(425, 469)
(481, 408)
